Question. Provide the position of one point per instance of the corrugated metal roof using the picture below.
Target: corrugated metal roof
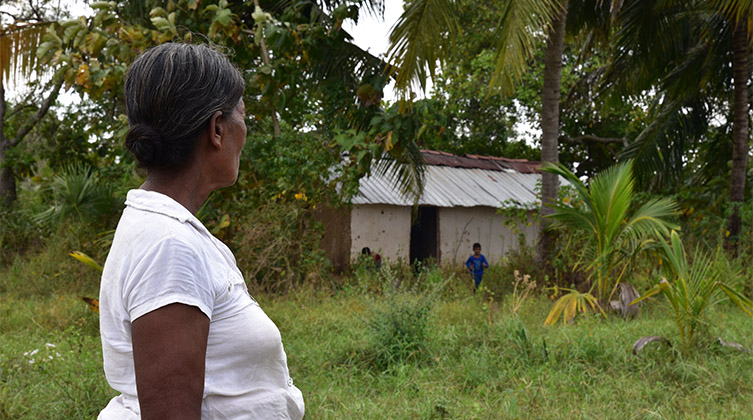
(460, 181)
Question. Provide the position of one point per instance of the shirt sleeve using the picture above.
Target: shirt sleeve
(170, 272)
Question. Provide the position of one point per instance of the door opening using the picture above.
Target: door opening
(423, 235)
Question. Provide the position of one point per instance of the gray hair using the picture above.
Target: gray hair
(171, 91)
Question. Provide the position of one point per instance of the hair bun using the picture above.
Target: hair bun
(146, 143)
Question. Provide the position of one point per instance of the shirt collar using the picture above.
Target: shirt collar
(155, 202)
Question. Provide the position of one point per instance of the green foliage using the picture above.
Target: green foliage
(398, 327)
(276, 246)
(49, 271)
(19, 234)
(513, 367)
(614, 236)
(693, 290)
(77, 193)
(415, 41)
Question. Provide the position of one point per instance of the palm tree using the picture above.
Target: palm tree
(426, 29)
(601, 217)
(690, 52)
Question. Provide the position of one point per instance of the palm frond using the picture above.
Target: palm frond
(736, 9)
(652, 216)
(612, 192)
(406, 169)
(522, 23)
(417, 41)
(18, 48)
(570, 304)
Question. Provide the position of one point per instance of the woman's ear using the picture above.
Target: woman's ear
(216, 129)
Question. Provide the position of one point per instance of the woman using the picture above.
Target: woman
(181, 336)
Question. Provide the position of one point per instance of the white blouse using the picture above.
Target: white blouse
(162, 254)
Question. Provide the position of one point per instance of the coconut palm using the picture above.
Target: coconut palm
(692, 289)
(695, 55)
(613, 236)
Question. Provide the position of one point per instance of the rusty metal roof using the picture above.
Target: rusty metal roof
(461, 181)
(491, 163)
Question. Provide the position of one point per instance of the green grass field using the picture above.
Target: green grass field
(476, 361)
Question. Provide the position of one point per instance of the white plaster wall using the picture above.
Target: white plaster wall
(460, 227)
(383, 228)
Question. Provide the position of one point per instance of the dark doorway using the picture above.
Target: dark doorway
(423, 235)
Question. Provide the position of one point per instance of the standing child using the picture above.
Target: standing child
(476, 264)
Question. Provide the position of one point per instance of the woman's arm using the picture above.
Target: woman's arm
(169, 351)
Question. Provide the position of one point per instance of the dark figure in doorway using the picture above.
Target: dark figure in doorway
(476, 264)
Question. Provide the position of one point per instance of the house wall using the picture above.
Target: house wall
(385, 229)
(460, 227)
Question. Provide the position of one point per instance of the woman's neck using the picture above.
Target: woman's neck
(184, 186)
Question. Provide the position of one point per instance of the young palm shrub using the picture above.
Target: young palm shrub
(694, 289)
(76, 192)
(613, 237)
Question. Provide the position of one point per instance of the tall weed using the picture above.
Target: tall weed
(398, 324)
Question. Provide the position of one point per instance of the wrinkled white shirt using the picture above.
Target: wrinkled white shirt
(161, 254)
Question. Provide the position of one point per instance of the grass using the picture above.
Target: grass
(477, 361)
(512, 368)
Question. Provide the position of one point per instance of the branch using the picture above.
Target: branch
(41, 112)
(265, 57)
(18, 109)
(589, 138)
(35, 10)
(15, 18)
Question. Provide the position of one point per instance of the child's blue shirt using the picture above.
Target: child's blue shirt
(476, 264)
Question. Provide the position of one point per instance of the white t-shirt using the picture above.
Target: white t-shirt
(162, 254)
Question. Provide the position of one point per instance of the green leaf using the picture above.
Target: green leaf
(223, 17)
(161, 24)
(86, 260)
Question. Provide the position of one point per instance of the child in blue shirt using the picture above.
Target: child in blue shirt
(476, 264)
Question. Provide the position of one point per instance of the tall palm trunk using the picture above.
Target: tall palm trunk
(740, 132)
(550, 120)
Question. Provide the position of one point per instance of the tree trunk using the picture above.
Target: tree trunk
(739, 133)
(7, 180)
(7, 175)
(550, 120)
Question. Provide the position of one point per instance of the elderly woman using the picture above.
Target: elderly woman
(181, 336)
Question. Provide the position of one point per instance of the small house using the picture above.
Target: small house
(460, 205)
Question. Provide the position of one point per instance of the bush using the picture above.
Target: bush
(277, 247)
(19, 234)
(77, 193)
(398, 327)
(51, 270)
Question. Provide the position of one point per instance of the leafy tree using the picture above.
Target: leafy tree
(18, 40)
